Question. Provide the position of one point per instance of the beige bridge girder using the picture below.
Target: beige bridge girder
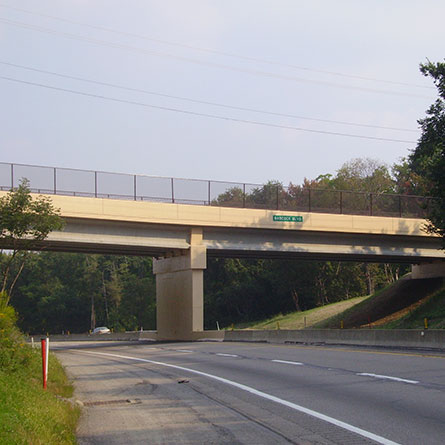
(181, 237)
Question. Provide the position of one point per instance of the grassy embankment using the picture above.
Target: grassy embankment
(432, 308)
(402, 305)
(300, 320)
(28, 414)
(391, 307)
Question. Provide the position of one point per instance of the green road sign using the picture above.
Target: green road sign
(287, 218)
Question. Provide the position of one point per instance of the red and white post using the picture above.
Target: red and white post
(45, 354)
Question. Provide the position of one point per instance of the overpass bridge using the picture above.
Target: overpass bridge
(181, 232)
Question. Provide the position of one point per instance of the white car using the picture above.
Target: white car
(101, 330)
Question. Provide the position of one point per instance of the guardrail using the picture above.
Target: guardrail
(273, 196)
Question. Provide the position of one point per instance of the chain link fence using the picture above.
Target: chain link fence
(98, 184)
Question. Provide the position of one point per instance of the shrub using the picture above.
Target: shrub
(13, 352)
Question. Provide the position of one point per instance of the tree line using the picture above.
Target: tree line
(61, 292)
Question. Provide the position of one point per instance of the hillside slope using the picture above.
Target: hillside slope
(300, 320)
(400, 295)
(432, 309)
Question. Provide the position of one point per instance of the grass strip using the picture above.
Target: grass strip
(29, 414)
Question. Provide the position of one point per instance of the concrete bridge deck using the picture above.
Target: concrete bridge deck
(161, 229)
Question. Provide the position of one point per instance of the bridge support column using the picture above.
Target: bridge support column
(428, 270)
(180, 291)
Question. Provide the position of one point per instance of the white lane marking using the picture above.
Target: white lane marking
(288, 363)
(226, 355)
(183, 350)
(387, 377)
(310, 412)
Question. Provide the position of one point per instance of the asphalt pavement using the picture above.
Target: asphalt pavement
(244, 393)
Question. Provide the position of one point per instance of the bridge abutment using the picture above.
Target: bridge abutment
(428, 270)
(180, 291)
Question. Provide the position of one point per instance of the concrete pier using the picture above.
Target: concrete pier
(180, 291)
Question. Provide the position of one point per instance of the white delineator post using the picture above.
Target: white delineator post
(47, 356)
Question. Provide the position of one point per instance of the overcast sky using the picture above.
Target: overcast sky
(354, 62)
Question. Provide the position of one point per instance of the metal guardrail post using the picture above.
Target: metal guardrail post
(173, 190)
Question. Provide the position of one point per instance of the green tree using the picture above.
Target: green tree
(24, 222)
(268, 196)
(232, 197)
(53, 294)
(138, 305)
(406, 181)
(66, 291)
(428, 158)
(364, 174)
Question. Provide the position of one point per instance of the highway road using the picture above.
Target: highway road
(244, 393)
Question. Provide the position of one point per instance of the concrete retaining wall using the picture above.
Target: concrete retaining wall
(397, 338)
(131, 336)
(116, 336)
(407, 338)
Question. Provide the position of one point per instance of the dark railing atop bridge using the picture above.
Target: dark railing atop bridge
(87, 183)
